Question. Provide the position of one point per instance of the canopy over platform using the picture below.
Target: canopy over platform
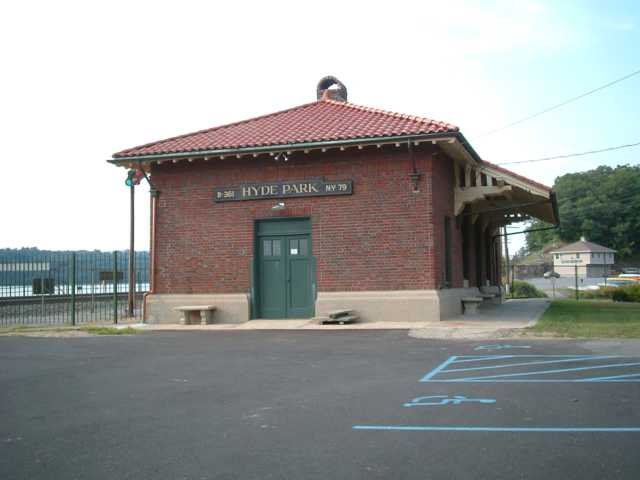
(504, 197)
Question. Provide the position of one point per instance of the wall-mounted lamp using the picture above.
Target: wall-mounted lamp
(278, 206)
(282, 156)
(414, 175)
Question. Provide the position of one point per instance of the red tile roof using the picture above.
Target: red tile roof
(515, 175)
(323, 120)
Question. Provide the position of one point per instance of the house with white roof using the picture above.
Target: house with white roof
(590, 259)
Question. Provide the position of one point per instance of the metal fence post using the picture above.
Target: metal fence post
(115, 287)
(42, 311)
(576, 275)
(513, 277)
(73, 288)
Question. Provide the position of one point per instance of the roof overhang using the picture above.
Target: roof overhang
(502, 197)
(515, 199)
(450, 138)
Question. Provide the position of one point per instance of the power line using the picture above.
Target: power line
(622, 198)
(569, 155)
(561, 104)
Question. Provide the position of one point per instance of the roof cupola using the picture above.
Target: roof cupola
(326, 92)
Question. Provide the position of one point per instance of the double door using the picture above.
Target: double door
(285, 276)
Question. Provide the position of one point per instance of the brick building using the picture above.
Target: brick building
(327, 205)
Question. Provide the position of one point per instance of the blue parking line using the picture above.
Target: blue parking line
(438, 369)
(614, 377)
(575, 380)
(563, 360)
(433, 428)
(473, 358)
(544, 372)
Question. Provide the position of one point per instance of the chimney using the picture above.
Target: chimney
(325, 92)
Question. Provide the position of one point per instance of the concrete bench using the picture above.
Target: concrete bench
(494, 298)
(205, 314)
(470, 305)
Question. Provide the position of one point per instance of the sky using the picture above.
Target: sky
(82, 80)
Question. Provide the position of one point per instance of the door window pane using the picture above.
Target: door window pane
(266, 248)
(293, 247)
(304, 249)
(276, 248)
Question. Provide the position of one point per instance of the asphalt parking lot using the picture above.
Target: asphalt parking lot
(317, 405)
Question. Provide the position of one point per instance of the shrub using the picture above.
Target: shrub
(627, 293)
(600, 294)
(525, 290)
(620, 296)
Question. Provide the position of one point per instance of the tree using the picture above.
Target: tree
(602, 205)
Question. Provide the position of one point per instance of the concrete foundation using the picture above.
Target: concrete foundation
(370, 306)
(230, 308)
(397, 306)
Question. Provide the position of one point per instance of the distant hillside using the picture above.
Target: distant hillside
(525, 257)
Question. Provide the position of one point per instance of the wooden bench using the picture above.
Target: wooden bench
(470, 305)
(205, 314)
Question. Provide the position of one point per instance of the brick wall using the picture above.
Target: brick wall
(442, 179)
(471, 245)
(380, 238)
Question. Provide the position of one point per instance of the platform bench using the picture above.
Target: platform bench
(494, 298)
(205, 314)
(470, 305)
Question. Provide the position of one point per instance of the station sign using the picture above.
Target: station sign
(300, 188)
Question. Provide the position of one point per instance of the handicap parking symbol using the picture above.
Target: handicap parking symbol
(500, 347)
(433, 400)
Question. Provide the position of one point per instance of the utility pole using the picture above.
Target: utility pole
(506, 252)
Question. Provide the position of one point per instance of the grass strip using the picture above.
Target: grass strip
(95, 330)
(91, 329)
(588, 318)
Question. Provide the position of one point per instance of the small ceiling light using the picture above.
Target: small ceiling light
(278, 206)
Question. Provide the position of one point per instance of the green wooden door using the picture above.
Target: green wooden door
(272, 277)
(286, 277)
(299, 282)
